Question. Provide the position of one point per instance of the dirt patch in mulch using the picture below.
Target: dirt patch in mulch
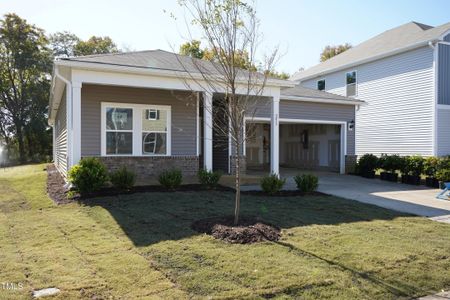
(249, 230)
(56, 188)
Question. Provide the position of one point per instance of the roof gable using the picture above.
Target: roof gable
(394, 39)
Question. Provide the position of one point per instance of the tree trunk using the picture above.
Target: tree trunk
(237, 186)
(30, 147)
(19, 132)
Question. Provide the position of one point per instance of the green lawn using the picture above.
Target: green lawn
(141, 245)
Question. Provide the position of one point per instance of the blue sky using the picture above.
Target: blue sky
(301, 28)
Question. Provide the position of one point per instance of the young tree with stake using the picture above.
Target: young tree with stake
(230, 29)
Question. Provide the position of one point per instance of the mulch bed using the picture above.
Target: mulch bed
(249, 230)
(284, 193)
(56, 186)
(57, 190)
(111, 191)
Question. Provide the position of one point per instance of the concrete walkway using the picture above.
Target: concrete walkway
(415, 200)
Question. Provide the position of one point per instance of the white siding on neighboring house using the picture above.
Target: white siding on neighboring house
(60, 128)
(399, 91)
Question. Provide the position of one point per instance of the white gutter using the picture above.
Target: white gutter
(324, 100)
(366, 60)
(157, 72)
(69, 88)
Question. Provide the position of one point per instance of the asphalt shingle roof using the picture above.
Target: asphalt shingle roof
(164, 60)
(397, 38)
(154, 59)
(300, 91)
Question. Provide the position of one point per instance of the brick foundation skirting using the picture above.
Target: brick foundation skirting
(350, 163)
(149, 166)
(242, 165)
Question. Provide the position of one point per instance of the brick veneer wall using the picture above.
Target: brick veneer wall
(148, 166)
(350, 164)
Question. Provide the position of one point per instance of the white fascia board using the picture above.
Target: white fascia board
(324, 100)
(156, 72)
(366, 60)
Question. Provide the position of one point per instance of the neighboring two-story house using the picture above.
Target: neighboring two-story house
(403, 75)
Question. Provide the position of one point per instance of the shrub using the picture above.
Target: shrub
(209, 179)
(123, 179)
(443, 175)
(443, 163)
(89, 175)
(171, 179)
(367, 163)
(404, 165)
(307, 182)
(430, 166)
(272, 184)
(391, 163)
(414, 165)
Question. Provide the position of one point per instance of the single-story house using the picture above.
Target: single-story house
(145, 111)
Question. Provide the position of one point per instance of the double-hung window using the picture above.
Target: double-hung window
(154, 132)
(135, 129)
(351, 83)
(119, 131)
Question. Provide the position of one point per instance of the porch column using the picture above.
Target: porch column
(275, 136)
(207, 131)
(76, 122)
(343, 148)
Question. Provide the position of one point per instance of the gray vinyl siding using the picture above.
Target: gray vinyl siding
(444, 74)
(313, 111)
(60, 128)
(443, 132)
(321, 111)
(183, 107)
(399, 92)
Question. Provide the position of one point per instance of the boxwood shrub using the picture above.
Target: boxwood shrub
(89, 175)
(209, 179)
(123, 179)
(307, 182)
(171, 179)
(272, 184)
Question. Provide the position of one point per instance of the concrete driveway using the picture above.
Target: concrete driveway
(417, 200)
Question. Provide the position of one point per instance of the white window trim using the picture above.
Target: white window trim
(137, 127)
(317, 84)
(356, 83)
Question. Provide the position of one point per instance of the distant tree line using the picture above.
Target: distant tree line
(241, 59)
(26, 58)
(331, 51)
